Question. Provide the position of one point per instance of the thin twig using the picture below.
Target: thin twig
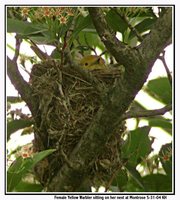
(162, 58)
(18, 44)
(43, 56)
(63, 49)
(88, 45)
(147, 113)
(105, 51)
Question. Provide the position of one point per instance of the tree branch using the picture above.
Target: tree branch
(160, 36)
(108, 37)
(20, 84)
(147, 113)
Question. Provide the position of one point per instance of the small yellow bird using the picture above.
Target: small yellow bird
(93, 62)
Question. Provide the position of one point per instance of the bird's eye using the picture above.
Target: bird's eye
(86, 64)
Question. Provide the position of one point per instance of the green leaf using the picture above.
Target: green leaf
(165, 155)
(160, 89)
(13, 180)
(157, 183)
(121, 179)
(135, 175)
(40, 39)
(138, 145)
(41, 155)
(14, 99)
(14, 174)
(28, 187)
(39, 33)
(29, 163)
(143, 26)
(116, 22)
(56, 54)
(161, 122)
(17, 124)
(132, 12)
(81, 23)
(92, 39)
(16, 165)
(22, 27)
(21, 167)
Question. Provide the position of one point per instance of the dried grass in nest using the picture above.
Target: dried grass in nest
(67, 104)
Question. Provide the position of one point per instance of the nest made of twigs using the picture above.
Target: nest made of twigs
(67, 104)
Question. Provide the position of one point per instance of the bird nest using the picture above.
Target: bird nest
(67, 103)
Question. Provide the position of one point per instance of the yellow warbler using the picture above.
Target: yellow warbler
(93, 62)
